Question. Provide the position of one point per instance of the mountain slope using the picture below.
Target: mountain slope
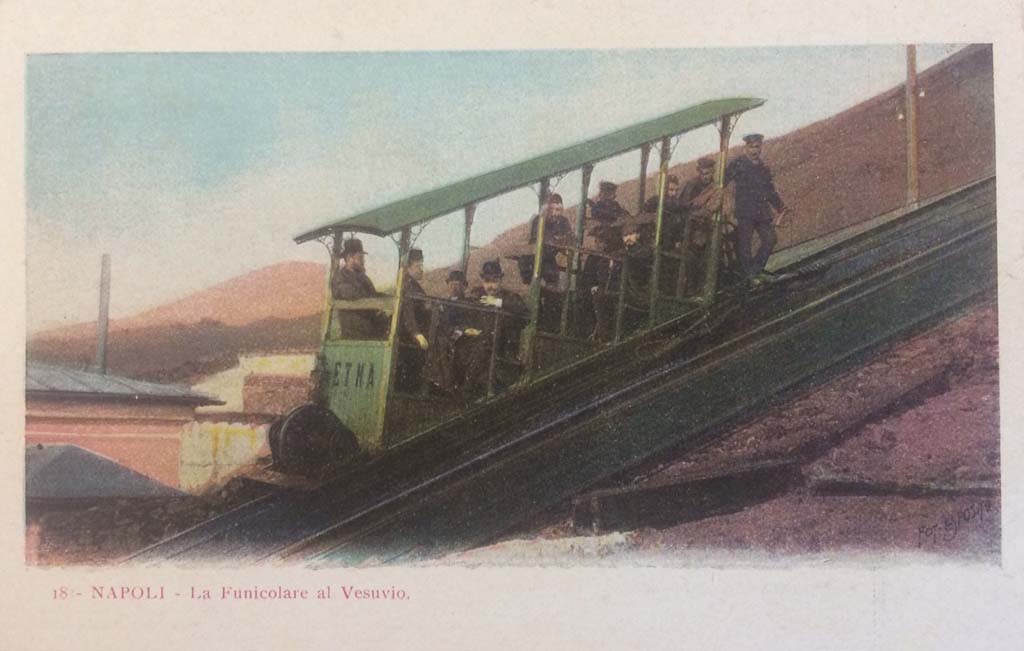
(832, 173)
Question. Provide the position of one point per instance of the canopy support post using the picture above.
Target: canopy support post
(387, 387)
(913, 188)
(666, 154)
(645, 156)
(531, 328)
(470, 211)
(715, 245)
(574, 268)
(334, 250)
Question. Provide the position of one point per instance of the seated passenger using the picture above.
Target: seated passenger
(446, 359)
(351, 283)
(513, 317)
(414, 323)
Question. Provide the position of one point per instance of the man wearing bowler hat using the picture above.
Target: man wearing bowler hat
(414, 322)
(351, 283)
(513, 315)
(755, 199)
(446, 358)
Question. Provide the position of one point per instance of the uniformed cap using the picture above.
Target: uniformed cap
(456, 276)
(706, 163)
(491, 270)
(753, 137)
(671, 178)
(351, 246)
(607, 186)
(415, 255)
(555, 198)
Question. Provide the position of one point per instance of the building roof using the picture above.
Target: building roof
(417, 209)
(70, 472)
(57, 381)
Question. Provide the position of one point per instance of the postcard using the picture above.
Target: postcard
(377, 331)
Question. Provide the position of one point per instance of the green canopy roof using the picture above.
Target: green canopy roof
(419, 208)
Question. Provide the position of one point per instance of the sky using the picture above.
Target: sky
(191, 169)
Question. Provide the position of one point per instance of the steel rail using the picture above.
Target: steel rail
(292, 525)
(473, 507)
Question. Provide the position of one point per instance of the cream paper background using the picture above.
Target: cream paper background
(822, 602)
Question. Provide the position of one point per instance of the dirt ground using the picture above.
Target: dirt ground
(938, 427)
(923, 412)
(110, 530)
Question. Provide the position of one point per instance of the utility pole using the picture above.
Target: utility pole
(913, 188)
(102, 323)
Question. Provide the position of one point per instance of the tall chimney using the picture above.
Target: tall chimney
(913, 189)
(101, 325)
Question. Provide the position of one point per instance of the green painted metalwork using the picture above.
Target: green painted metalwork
(676, 409)
(714, 245)
(356, 377)
(575, 267)
(417, 209)
(469, 212)
(666, 154)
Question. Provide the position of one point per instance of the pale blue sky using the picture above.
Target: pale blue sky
(190, 169)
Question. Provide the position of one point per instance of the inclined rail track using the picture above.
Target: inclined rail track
(424, 501)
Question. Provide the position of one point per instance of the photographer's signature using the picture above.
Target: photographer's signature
(946, 530)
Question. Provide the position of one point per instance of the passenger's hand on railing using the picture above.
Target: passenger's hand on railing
(471, 332)
(422, 341)
(493, 301)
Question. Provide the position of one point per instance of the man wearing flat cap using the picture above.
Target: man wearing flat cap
(755, 199)
(513, 316)
(351, 283)
(605, 208)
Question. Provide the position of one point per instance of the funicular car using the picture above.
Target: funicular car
(357, 407)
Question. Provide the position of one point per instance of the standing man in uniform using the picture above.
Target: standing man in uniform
(351, 283)
(755, 199)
